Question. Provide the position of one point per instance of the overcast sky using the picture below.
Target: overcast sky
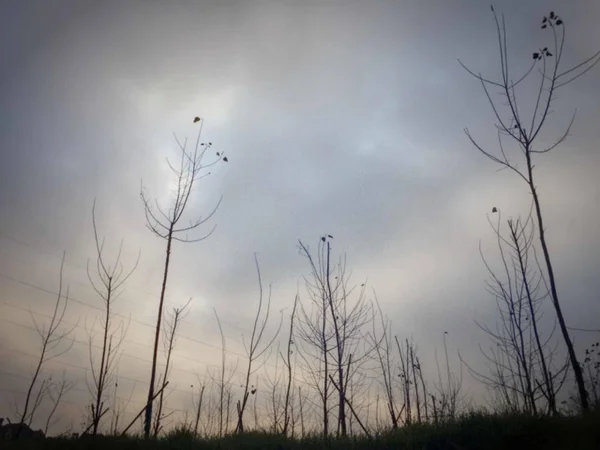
(341, 117)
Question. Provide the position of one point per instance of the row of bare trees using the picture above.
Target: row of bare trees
(337, 336)
(409, 396)
(387, 378)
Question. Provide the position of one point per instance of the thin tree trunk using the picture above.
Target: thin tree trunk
(286, 419)
(97, 412)
(198, 411)
(148, 417)
(301, 405)
(124, 432)
(555, 301)
(417, 400)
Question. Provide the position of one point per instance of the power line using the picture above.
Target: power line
(79, 266)
(197, 341)
(86, 369)
(77, 341)
(83, 391)
(587, 330)
(72, 299)
(129, 286)
(100, 309)
(152, 326)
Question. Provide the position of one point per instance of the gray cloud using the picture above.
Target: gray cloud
(341, 118)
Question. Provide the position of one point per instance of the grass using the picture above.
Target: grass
(471, 432)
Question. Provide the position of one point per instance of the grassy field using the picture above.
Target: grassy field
(475, 431)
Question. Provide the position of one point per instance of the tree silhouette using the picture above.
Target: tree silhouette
(524, 133)
(165, 225)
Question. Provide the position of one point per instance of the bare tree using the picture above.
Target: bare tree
(166, 226)
(521, 361)
(170, 330)
(335, 327)
(254, 349)
(110, 280)
(314, 333)
(524, 132)
(52, 346)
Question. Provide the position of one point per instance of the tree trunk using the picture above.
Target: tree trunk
(148, 413)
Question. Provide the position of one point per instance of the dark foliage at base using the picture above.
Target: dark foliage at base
(471, 432)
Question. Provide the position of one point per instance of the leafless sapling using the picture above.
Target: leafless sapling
(108, 286)
(166, 225)
(254, 349)
(522, 360)
(336, 327)
(53, 341)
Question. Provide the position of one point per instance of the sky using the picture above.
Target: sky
(340, 117)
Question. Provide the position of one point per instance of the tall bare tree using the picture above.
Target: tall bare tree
(524, 131)
(108, 284)
(166, 225)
